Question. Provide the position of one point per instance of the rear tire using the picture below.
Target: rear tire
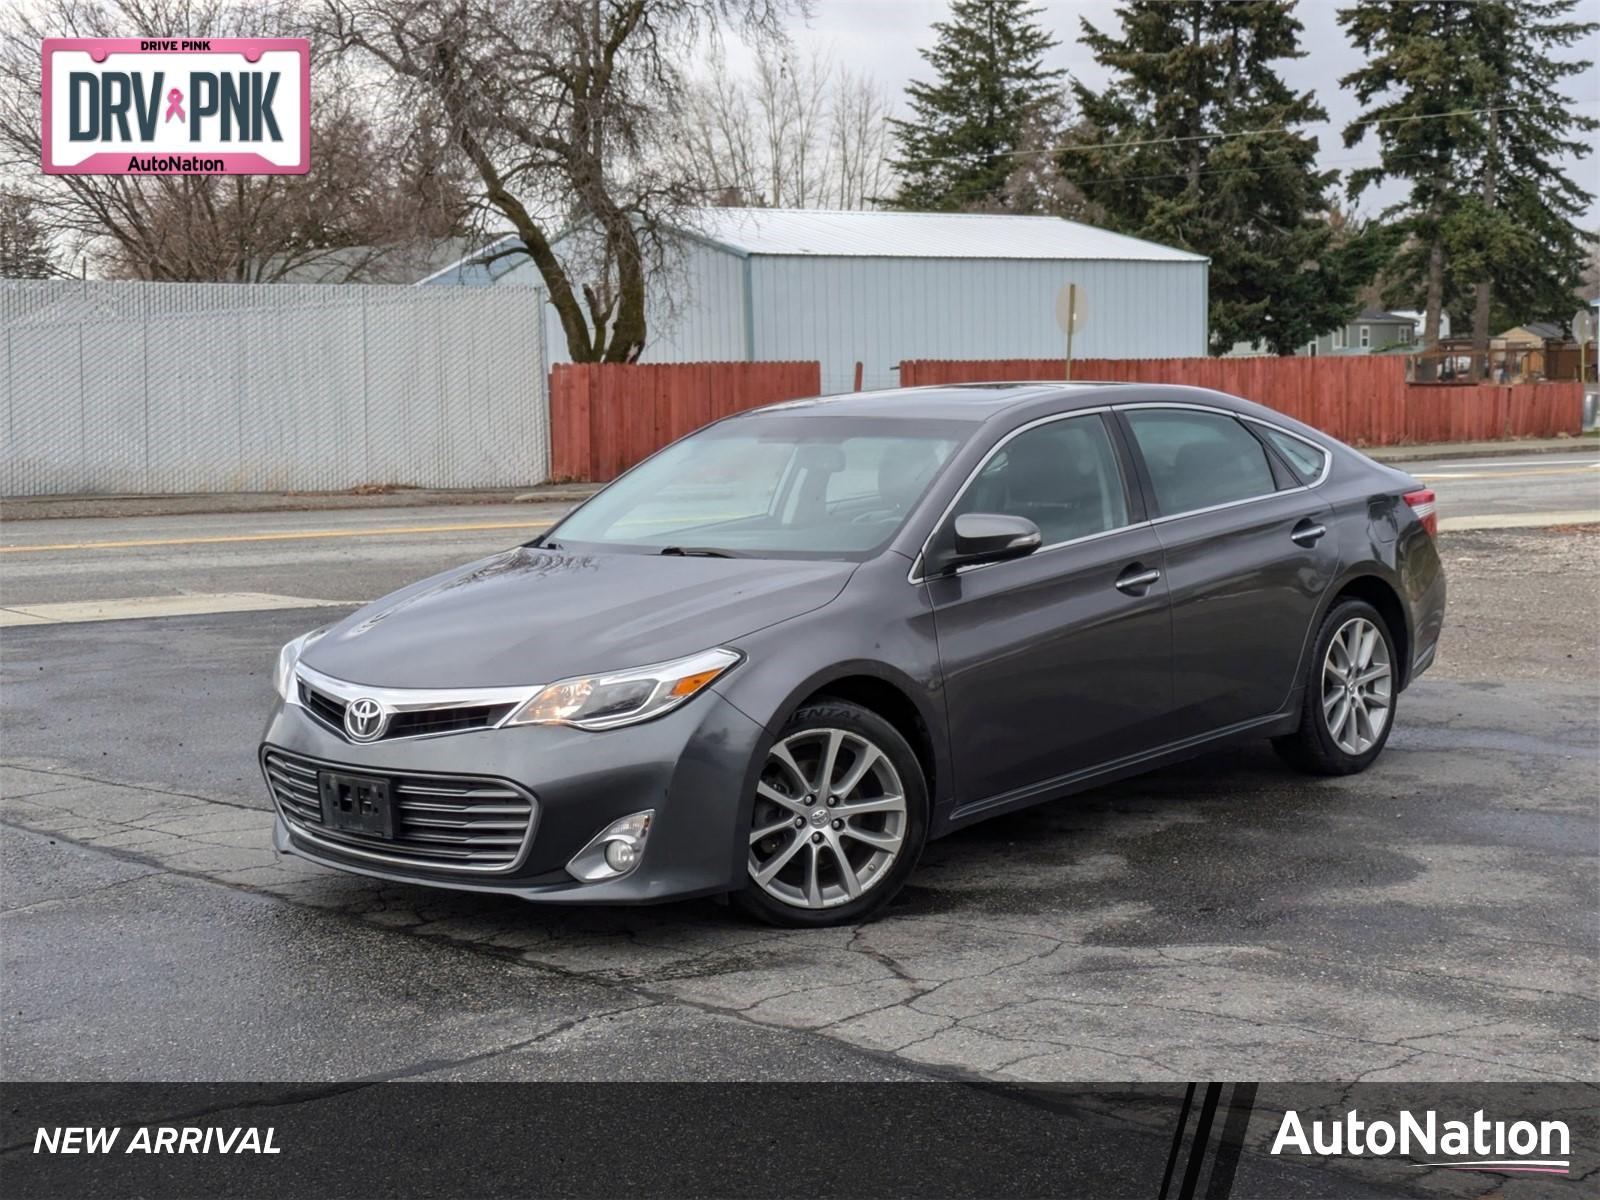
(1351, 684)
(839, 820)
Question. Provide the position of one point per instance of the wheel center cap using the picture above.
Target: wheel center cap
(819, 816)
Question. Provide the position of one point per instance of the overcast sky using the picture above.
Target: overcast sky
(884, 36)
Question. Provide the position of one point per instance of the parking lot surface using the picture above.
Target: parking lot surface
(1432, 919)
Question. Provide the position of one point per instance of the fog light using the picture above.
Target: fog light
(620, 856)
(614, 851)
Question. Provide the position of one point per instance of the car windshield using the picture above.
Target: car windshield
(770, 486)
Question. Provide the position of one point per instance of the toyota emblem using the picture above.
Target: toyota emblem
(365, 720)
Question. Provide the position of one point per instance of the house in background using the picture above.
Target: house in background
(1374, 331)
(1539, 350)
(1533, 335)
(757, 284)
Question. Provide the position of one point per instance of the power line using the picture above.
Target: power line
(1219, 135)
(977, 189)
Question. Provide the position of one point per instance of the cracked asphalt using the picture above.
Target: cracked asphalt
(1433, 919)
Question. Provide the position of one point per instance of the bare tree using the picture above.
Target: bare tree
(860, 140)
(717, 142)
(1036, 183)
(562, 108)
(377, 191)
(797, 132)
(790, 94)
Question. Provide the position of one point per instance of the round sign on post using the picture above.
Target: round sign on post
(1072, 309)
(1583, 330)
(1583, 325)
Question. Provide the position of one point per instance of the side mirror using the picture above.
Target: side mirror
(985, 538)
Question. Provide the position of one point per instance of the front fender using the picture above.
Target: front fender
(880, 631)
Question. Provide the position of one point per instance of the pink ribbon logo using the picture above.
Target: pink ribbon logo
(175, 105)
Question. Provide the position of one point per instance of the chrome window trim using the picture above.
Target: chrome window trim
(1211, 508)
(914, 576)
(409, 700)
(300, 831)
(1327, 455)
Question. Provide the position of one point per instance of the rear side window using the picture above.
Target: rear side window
(1199, 459)
(1306, 459)
(1062, 476)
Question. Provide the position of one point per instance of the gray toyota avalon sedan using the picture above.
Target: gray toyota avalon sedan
(776, 658)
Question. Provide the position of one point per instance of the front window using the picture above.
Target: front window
(770, 486)
(1062, 476)
(1366, 336)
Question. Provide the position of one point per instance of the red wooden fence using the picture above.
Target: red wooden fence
(604, 417)
(1360, 399)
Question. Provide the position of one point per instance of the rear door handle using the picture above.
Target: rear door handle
(1307, 532)
(1136, 580)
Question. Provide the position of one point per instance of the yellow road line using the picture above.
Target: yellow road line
(305, 534)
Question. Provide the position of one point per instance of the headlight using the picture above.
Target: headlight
(288, 656)
(624, 697)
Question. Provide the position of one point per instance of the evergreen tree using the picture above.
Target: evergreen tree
(1465, 102)
(1194, 144)
(24, 242)
(990, 88)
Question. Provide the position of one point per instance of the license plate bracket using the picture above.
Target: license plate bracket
(356, 803)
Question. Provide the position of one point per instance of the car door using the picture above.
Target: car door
(1059, 661)
(1248, 557)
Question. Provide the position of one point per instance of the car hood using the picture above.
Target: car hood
(533, 616)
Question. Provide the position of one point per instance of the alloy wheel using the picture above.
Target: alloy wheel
(829, 820)
(1357, 686)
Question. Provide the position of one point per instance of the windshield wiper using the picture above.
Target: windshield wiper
(698, 552)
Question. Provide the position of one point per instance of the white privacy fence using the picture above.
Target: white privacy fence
(199, 387)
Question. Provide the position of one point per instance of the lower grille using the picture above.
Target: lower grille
(441, 822)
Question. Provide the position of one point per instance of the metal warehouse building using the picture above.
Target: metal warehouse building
(878, 287)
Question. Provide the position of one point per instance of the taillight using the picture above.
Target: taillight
(1426, 507)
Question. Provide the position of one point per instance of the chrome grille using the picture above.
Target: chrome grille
(421, 722)
(441, 822)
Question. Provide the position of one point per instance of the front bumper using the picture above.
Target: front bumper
(690, 766)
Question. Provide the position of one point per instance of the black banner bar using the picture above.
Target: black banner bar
(922, 1141)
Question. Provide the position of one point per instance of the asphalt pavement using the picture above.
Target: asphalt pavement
(1431, 919)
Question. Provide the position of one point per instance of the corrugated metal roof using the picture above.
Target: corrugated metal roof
(821, 233)
(828, 234)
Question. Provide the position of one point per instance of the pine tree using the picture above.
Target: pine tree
(959, 147)
(24, 243)
(1194, 144)
(1469, 113)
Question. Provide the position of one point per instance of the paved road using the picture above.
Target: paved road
(1433, 919)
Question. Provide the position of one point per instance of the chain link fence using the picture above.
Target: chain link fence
(199, 387)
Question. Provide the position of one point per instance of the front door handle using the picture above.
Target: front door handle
(1136, 580)
(1307, 532)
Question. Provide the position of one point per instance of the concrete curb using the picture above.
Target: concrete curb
(1544, 520)
(1463, 450)
(41, 508)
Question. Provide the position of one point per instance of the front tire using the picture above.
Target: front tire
(1350, 689)
(839, 820)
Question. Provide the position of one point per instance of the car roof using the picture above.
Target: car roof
(979, 402)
